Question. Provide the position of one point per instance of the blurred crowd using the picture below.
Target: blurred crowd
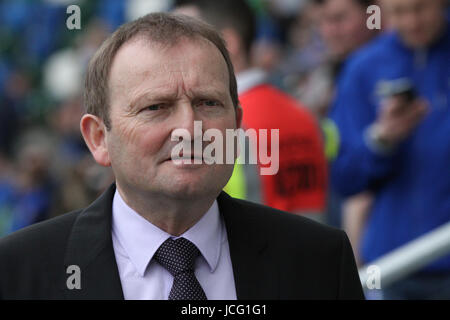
(319, 52)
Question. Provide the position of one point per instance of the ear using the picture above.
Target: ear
(94, 133)
(239, 113)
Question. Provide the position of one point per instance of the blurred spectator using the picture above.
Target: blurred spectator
(25, 197)
(267, 47)
(31, 29)
(63, 72)
(14, 108)
(300, 184)
(79, 185)
(342, 26)
(305, 52)
(396, 145)
(41, 70)
(80, 179)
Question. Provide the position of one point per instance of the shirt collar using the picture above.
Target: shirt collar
(249, 79)
(140, 238)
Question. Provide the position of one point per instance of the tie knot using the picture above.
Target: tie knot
(177, 256)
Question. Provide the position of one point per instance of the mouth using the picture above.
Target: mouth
(187, 158)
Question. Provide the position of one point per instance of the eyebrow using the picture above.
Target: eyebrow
(210, 92)
(154, 96)
(165, 96)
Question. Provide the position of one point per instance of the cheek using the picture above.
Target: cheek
(355, 26)
(138, 141)
(227, 123)
(330, 32)
(431, 21)
(151, 141)
(222, 119)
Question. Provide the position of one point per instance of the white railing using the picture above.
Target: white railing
(408, 258)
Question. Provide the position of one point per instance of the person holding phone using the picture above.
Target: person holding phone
(400, 113)
(393, 113)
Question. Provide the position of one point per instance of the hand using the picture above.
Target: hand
(397, 119)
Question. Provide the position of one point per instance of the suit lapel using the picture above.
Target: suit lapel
(90, 247)
(255, 271)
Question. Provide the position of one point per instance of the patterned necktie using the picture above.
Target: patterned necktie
(178, 257)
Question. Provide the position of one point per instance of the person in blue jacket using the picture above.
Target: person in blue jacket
(398, 145)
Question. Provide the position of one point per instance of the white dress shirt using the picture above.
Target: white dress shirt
(135, 241)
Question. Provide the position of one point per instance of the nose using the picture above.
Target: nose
(185, 123)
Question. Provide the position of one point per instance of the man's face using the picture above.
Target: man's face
(342, 24)
(154, 90)
(417, 21)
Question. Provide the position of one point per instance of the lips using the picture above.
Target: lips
(186, 157)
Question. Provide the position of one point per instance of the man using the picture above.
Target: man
(342, 26)
(397, 145)
(165, 230)
(329, 31)
(300, 184)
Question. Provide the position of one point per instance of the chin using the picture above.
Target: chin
(195, 183)
(183, 187)
(190, 192)
(417, 40)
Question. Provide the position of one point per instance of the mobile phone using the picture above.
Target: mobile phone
(398, 87)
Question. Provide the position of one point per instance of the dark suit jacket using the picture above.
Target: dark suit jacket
(274, 254)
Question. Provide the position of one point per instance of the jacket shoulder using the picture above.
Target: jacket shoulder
(310, 259)
(31, 259)
(285, 224)
(40, 235)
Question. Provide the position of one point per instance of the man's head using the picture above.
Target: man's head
(233, 18)
(342, 24)
(159, 28)
(151, 77)
(418, 22)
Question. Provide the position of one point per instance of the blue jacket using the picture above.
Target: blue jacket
(412, 184)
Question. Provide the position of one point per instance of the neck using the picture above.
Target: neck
(172, 215)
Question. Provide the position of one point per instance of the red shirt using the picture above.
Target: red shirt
(300, 184)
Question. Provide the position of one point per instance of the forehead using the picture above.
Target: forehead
(141, 66)
(404, 3)
(339, 5)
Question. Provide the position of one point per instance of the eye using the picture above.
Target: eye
(209, 103)
(154, 107)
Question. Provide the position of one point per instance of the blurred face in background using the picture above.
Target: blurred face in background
(342, 25)
(419, 22)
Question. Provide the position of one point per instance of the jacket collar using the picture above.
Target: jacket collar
(90, 248)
